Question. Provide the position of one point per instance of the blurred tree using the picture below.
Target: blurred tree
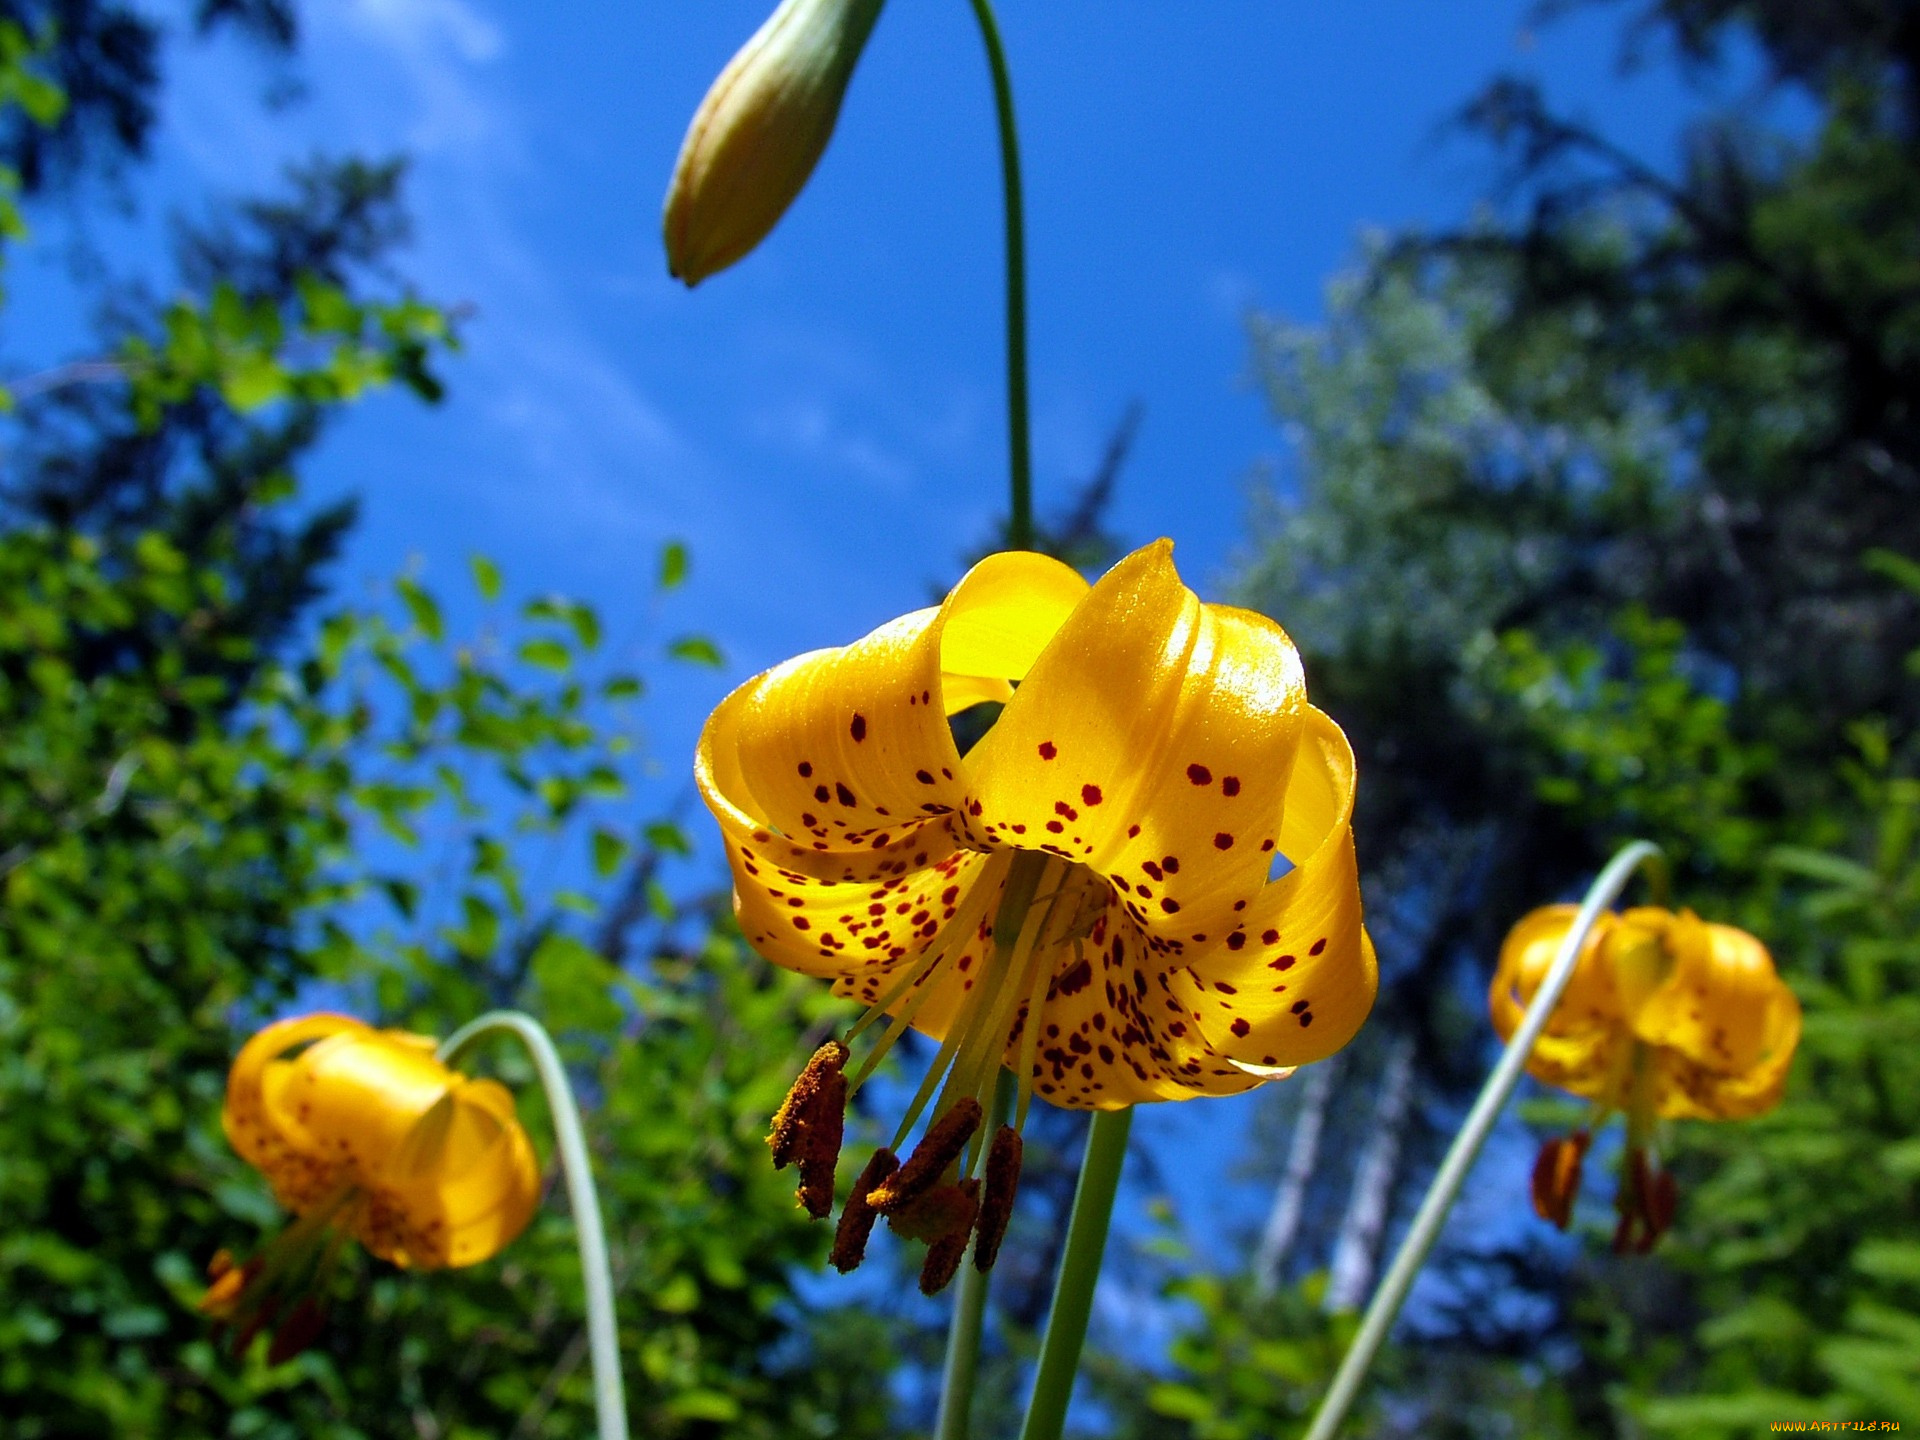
(1578, 550)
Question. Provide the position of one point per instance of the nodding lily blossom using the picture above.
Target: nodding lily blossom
(1666, 1017)
(760, 131)
(1084, 897)
(362, 1133)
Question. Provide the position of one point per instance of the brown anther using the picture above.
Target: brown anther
(299, 1330)
(938, 1149)
(803, 1101)
(818, 1149)
(856, 1219)
(1556, 1176)
(996, 1204)
(949, 1248)
(1646, 1202)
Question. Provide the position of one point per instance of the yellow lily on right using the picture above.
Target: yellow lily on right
(1666, 1017)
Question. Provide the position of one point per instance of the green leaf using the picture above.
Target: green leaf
(697, 650)
(547, 654)
(666, 836)
(608, 851)
(424, 609)
(673, 565)
(486, 577)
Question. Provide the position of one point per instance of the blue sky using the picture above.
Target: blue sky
(822, 425)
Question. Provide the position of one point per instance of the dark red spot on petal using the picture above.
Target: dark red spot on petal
(1172, 907)
(1236, 940)
(1298, 1006)
(806, 770)
(859, 729)
(1172, 862)
(800, 922)
(1223, 841)
(822, 794)
(1199, 775)
(923, 777)
(1090, 794)
(1132, 831)
(1318, 946)
(1047, 752)
(1241, 1027)
(1269, 937)
(1285, 962)
(1230, 786)
(844, 795)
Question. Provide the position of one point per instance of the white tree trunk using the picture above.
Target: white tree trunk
(1303, 1153)
(1358, 1245)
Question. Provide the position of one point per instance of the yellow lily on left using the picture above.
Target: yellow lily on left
(363, 1133)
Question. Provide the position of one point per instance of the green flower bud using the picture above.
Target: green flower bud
(760, 131)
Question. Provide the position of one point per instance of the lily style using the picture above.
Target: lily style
(1139, 885)
(363, 1134)
(1666, 1017)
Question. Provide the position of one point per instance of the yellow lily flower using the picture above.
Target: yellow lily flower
(1084, 897)
(1666, 1017)
(364, 1133)
(759, 132)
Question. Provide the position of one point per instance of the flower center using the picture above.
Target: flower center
(940, 1195)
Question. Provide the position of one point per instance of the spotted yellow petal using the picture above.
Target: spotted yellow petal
(1152, 741)
(464, 1182)
(1585, 1045)
(1293, 976)
(1726, 1019)
(255, 1123)
(840, 745)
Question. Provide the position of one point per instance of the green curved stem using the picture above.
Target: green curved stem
(1079, 1271)
(1019, 457)
(1465, 1149)
(603, 1333)
(969, 1310)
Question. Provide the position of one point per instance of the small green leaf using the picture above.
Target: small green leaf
(608, 851)
(547, 654)
(666, 836)
(697, 650)
(486, 577)
(673, 565)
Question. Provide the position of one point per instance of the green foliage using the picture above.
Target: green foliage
(1249, 1367)
(180, 856)
(252, 353)
(215, 806)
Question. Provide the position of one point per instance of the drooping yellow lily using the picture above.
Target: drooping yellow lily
(1666, 1017)
(1084, 897)
(364, 1133)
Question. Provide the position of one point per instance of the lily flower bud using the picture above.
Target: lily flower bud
(760, 131)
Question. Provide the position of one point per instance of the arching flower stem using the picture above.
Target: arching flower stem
(1079, 1272)
(603, 1332)
(1465, 1149)
(1019, 461)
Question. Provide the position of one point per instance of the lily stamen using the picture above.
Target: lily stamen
(937, 1150)
(996, 1201)
(857, 1216)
